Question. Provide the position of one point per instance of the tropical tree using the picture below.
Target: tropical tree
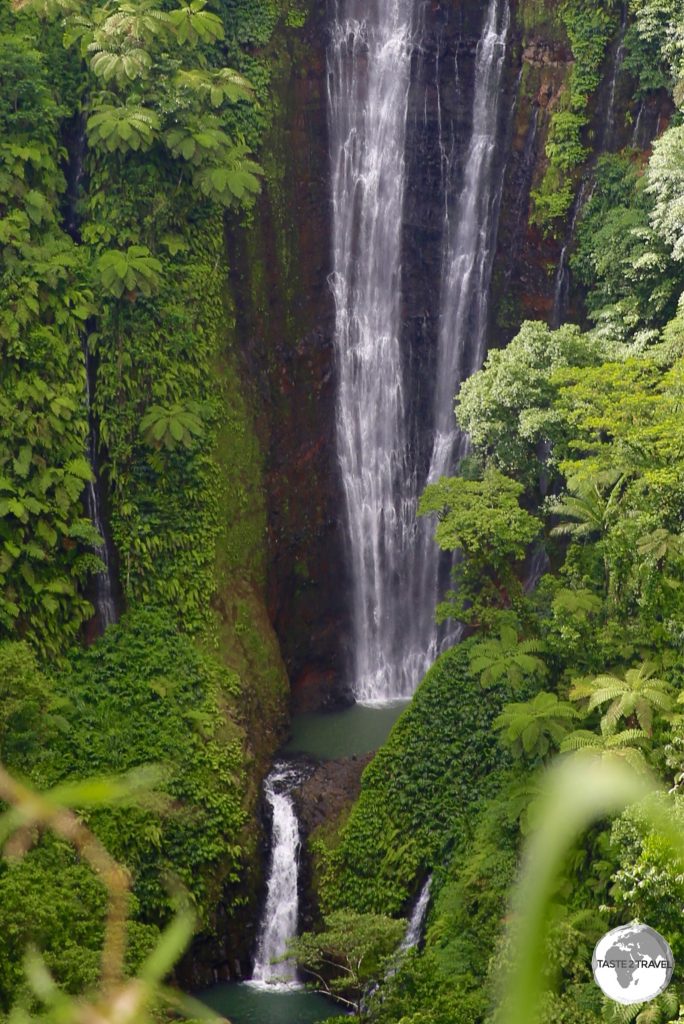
(623, 745)
(120, 128)
(507, 657)
(135, 270)
(216, 86)
(635, 696)
(531, 728)
(588, 512)
(195, 25)
(482, 520)
(349, 954)
(168, 426)
(666, 185)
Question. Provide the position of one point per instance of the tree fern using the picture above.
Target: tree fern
(633, 697)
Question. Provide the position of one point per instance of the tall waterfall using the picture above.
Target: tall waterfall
(369, 63)
(394, 561)
(279, 922)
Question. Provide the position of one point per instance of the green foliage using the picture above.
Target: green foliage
(447, 981)
(350, 953)
(647, 881)
(633, 697)
(666, 185)
(123, 128)
(506, 408)
(418, 794)
(507, 657)
(531, 728)
(656, 50)
(590, 27)
(168, 426)
(633, 283)
(482, 520)
(145, 695)
(135, 270)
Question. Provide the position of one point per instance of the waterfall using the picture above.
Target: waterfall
(609, 133)
(414, 932)
(470, 237)
(103, 582)
(393, 559)
(369, 62)
(561, 287)
(279, 922)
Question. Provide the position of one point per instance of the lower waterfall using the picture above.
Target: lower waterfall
(414, 932)
(281, 912)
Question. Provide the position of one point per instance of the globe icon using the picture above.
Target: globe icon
(632, 964)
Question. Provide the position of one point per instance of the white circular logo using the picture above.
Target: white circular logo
(632, 964)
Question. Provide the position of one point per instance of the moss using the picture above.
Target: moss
(540, 18)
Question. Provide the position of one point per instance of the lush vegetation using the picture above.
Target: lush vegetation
(577, 453)
(127, 130)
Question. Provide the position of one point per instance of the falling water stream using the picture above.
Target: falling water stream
(281, 911)
(414, 932)
(369, 61)
(394, 562)
(103, 585)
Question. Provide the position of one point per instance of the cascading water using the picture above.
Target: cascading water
(369, 62)
(470, 238)
(607, 142)
(279, 922)
(103, 585)
(561, 287)
(394, 562)
(414, 932)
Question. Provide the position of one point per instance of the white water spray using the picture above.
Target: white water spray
(393, 559)
(279, 922)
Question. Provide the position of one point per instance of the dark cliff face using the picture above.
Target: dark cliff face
(283, 303)
(284, 329)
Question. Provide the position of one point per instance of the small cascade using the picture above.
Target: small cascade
(103, 582)
(414, 932)
(609, 140)
(538, 564)
(561, 288)
(636, 133)
(281, 911)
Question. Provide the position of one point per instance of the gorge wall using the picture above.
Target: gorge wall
(281, 262)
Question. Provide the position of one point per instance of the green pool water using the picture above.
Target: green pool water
(329, 736)
(244, 1004)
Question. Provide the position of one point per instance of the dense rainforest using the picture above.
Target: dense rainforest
(342, 368)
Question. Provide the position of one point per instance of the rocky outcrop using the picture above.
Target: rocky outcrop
(321, 802)
(284, 321)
